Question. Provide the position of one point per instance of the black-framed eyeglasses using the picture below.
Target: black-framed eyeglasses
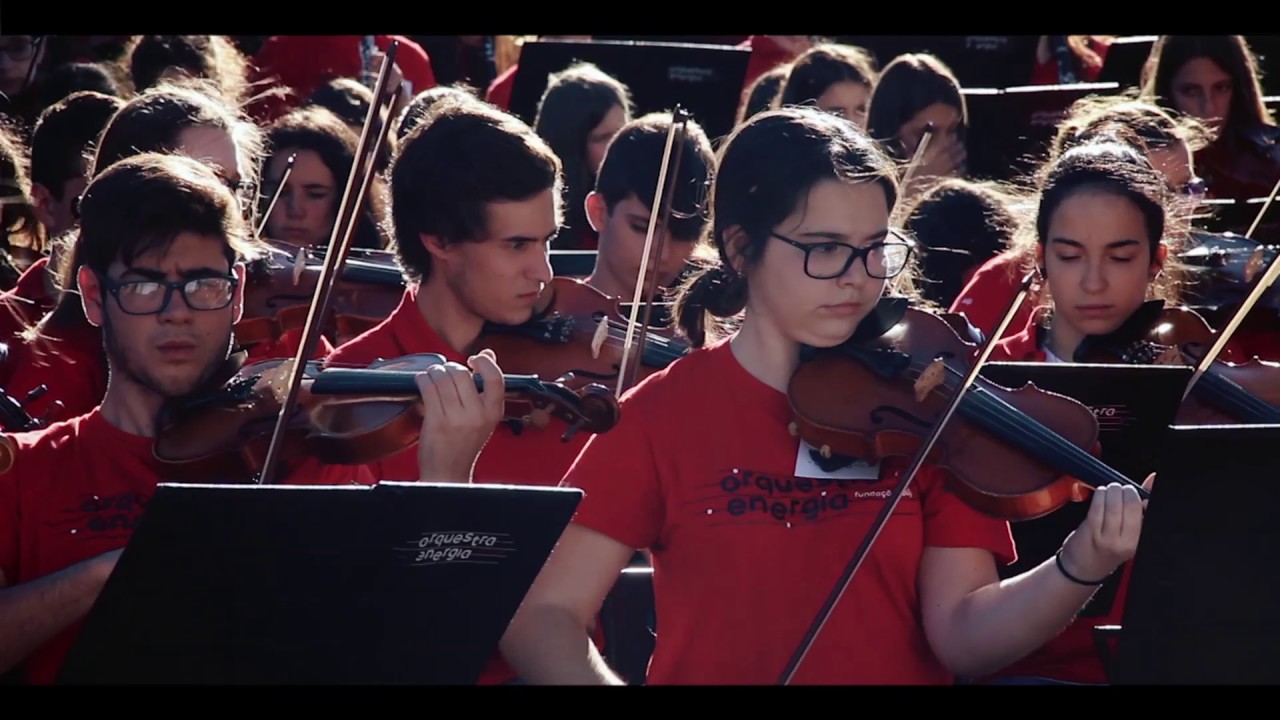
(150, 297)
(828, 260)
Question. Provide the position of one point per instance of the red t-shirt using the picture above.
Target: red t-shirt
(76, 490)
(987, 295)
(499, 92)
(27, 302)
(302, 63)
(534, 457)
(21, 307)
(748, 536)
(765, 56)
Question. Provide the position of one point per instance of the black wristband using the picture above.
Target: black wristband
(1057, 558)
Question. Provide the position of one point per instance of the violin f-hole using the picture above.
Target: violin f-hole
(877, 416)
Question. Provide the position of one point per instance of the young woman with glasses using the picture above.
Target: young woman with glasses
(748, 532)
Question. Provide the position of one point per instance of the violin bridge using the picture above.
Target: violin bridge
(931, 378)
(1169, 356)
(597, 341)
(299, 265)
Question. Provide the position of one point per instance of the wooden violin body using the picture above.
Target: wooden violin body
(1014, 454)
(342, 417)
(279, 292)
(577, 336)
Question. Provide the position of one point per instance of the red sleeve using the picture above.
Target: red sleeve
(619, 476)
(313, 472)
(76, 381)
(413, 61)
(949, 522)
(988, 294)
(9, 533)
(287, 347)
(499, 92)
(274, 67)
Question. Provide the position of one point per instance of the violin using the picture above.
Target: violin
(342, 416)
(1012, 454)
(908, 384)
(1248, 159)
(1227, 394)
(1226, 265)
(576, 335)
(279, 290)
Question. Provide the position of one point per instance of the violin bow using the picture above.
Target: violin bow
(275, 197)
(1260, 288)
(918, 156)
(362, 171)
(663, 197)
(846, 578)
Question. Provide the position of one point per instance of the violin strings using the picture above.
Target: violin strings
(997, 414)
(1241, 403)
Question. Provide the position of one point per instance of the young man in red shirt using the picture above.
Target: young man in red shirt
(164, 249)
(476, 202)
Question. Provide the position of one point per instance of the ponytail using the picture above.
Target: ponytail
(714, 291)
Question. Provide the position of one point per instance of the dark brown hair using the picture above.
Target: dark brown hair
(634, 160)
(446, 172)
(319, 130)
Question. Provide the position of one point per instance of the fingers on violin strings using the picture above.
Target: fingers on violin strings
(1134, 509)
(1113, 517)
(1097, 515)
(428, 387)
(485, 363)
(464, 385)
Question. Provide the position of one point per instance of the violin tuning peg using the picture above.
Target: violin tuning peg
(793, 429)
(572, 430)
(565, 379)
(35, 394)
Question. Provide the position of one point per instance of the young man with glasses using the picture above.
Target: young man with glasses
(161, 262)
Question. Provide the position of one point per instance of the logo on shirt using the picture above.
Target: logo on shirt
(99, 516)
(818, 489)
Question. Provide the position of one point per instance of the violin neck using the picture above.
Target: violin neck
(992, 413)
(371, 273)
(1226, 395)
(398, 382)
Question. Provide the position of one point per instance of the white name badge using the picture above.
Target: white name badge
(807, 466)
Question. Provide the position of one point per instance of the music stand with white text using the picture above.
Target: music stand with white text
(410, 583)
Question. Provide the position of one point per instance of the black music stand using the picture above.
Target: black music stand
(706, 80)
(398, 583)
(976, 60)
(1125, 58)
(1203, 594)
(1135, 405)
